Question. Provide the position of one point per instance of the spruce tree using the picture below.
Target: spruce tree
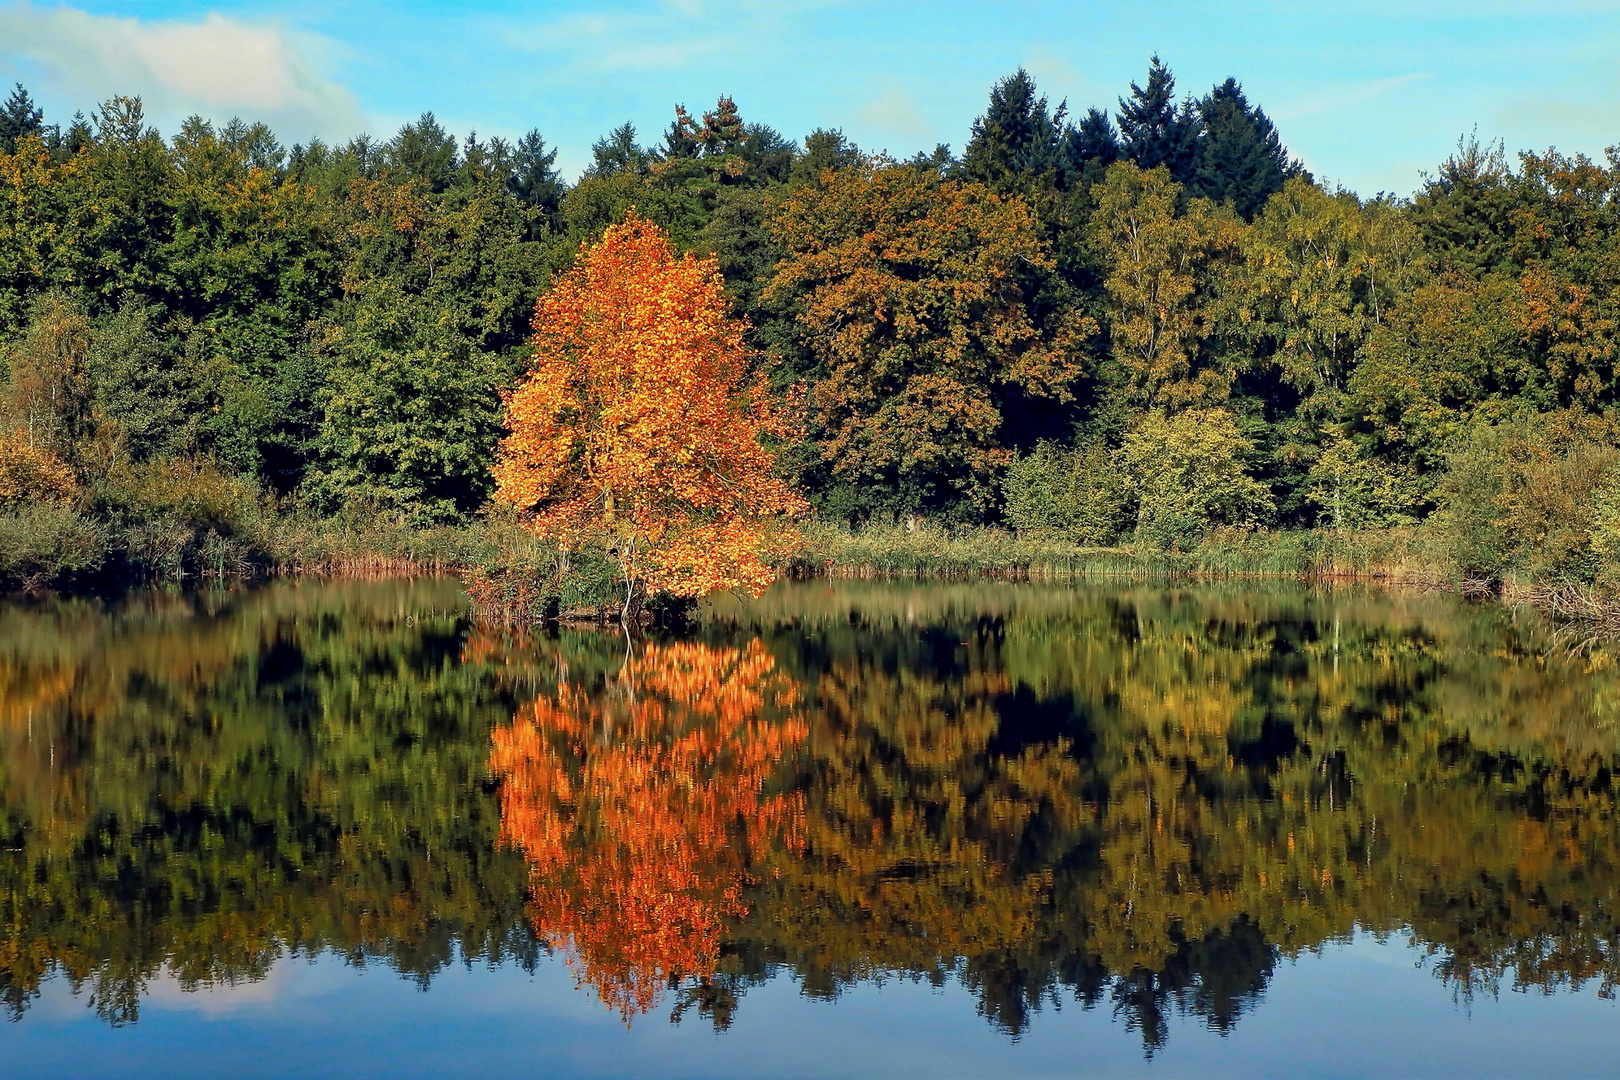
(534, 180)
(1017, 139)
(1155, 131)
(1094, 140)
(1241, 160)
(424, 150)
(19, 116)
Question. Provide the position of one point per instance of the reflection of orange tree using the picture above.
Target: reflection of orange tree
(637, 810)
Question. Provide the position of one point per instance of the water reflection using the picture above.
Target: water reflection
(1140, 800)
(640, 804)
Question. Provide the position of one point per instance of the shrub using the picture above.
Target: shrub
(1074, 492)
(31, 473)
(181, 514)
(1528, 496)
(1606, 526)
(49, 543)
(1185, 474)
(189, 493)
(520, 576)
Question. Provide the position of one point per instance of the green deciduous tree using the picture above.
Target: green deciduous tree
(1165, 270)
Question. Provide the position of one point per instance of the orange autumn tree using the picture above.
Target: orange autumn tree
(639, 808)
(639, 426)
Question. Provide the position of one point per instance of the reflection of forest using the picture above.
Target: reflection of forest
(204, 785)
(1141, 799)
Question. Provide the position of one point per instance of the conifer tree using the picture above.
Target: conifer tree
(424, 150)
(19, 116)
(825, 148)
(618, 152)
(1093, 140)
(1016, 140)
(723, 129)
(680, 140)
(534, 180)
(1242, 160)
(1156, 131)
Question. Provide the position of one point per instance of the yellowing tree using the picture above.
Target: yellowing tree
(639, 428)
(1166, 270)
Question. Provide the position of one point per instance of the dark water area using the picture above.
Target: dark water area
(336, 828)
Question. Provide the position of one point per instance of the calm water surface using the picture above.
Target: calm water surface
(337, 829)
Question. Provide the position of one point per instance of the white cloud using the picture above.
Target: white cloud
(663, 39)
(1342, 98)
(893, 112)
(661, 35)
(218, 67)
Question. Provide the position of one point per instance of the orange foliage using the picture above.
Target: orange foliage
(32, 473)
(637, 812)
(911, 293)
(638, 425)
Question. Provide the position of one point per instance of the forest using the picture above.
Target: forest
(1143, 326)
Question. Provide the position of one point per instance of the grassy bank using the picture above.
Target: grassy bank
(1412, 557)
(1403, 556)
(196, 527)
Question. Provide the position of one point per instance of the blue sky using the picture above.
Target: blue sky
(1368, 94)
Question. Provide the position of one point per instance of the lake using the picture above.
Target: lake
(930, 829)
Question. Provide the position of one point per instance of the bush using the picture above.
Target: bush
(1076, 493)
(523, 578)
(178, 516)
(1186, 477)
(49, 543)
(1606, 527)
(1532, 497)
(30, 473)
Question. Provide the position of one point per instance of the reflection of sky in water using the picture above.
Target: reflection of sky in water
(1154, 798)
(1358, 1008)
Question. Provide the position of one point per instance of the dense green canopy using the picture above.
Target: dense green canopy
(333, 326)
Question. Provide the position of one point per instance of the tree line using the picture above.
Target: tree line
(1144, 324)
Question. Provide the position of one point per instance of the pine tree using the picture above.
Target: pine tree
(19, 116)
(1156, 131)
(723, 129)
(1242, 160)
(681, 140)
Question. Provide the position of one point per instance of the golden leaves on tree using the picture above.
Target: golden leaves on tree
(639, 426)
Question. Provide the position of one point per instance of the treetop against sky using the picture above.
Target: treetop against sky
(1367, 94)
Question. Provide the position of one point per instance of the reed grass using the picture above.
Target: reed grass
(928, 550)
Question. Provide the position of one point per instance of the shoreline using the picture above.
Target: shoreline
(531, 584)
